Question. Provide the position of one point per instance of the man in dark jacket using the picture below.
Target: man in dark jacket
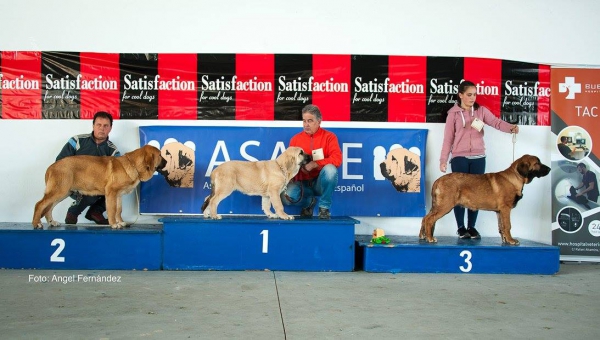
(95, 143)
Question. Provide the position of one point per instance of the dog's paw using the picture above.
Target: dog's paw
(116, 226)
(286, 217)
(122, 224)
(431, 240)
(216, 217)
(38, 226)
(512, 242)
(54, 223)
(272, 215)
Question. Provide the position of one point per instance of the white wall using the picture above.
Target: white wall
(551, 31)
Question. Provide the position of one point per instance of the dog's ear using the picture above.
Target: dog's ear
(523, 168)
(291, 162)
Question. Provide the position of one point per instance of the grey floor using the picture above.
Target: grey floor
(299, 305)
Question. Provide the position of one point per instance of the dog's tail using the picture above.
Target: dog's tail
(212, 193)
(206, 202)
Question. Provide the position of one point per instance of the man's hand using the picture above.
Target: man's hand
(443, 167)
(308, 167)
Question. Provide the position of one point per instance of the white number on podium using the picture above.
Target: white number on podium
(468, 255)
(61, 245)
(265, 244)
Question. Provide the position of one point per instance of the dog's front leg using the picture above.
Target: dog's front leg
(111, 209)
(118, 217)
(278, 206)
(266, 207)
(504, 224)
(500, 227)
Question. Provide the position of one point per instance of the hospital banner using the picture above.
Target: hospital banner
(238, 86)
(575, 166)
(382, 172)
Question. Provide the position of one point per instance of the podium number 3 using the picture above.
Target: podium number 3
(467, 255)
(265, 243)
(61, 246)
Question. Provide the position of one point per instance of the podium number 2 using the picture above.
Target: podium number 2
(61, 245)
(467, 254)
(265, 243)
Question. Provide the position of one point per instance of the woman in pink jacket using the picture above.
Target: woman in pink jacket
(463, 138)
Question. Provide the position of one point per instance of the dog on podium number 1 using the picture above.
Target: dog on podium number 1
(267, 179)
(499, 192)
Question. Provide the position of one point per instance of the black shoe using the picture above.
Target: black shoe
(463, 233)
(474, 233)
(324, 214)
(308, 211)
(71, 218)
(96, 217)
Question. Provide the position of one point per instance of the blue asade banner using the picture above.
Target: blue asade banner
(382, 173)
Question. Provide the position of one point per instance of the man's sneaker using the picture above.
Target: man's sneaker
(96, 217)
(324, 214)
(71, 218)
(463, 233)
(474, 233)
(308, 211)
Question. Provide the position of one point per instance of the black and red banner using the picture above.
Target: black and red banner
(373, 88)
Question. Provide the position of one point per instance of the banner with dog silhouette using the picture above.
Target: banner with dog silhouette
(238, 86)
(575, 164)
(382, 173)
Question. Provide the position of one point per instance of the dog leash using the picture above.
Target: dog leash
(514, 141)
(137, 197)
(514, 138)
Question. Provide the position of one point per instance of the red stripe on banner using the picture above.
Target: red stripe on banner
(104, 69)
(543, 116)
(22, 88)
(255, 88)
(487, 75)
(406, 92)
(333, 103)
(181, 70)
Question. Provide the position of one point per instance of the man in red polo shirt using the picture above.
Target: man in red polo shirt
(319, 177)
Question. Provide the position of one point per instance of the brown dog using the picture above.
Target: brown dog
(497, 192)
(95, 175)
(262, 178)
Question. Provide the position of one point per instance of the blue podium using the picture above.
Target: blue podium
(407, 254)
(258, 243)
(80, 247)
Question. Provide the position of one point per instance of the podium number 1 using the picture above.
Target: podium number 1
(265, 244)
(61, 245)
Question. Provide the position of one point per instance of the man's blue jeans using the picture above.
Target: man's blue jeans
(301, 192)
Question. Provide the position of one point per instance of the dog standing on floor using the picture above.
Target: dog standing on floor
(499, 192)
(97, 175)
(261, 178)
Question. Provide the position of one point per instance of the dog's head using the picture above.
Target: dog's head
(293, 158)
(146, 161)
(403, 168)
(179, 170)
(530, 167)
